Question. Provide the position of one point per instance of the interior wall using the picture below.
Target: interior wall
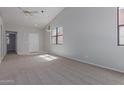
(2, 40)
(23, 38)
(90, 35)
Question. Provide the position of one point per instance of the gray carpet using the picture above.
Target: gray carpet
(47, 70)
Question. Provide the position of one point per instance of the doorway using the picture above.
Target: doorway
(11, 42)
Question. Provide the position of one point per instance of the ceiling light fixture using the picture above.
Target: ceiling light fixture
(28, 12)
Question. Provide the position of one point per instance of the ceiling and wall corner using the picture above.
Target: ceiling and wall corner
(13, 16)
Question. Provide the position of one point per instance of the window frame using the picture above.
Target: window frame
(118, 29)
(53, 36)
(56, 36)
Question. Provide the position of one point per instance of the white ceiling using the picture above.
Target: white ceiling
(14, 16)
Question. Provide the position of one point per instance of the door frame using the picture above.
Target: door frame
(13, 32)
(1, 46)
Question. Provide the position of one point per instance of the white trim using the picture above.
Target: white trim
(1, 59)
(90, 63)
(36, 53)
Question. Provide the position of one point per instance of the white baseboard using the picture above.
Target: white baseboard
(1, 59)
(98, 65)
(35, 53)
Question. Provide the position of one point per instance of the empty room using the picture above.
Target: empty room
(61, 46)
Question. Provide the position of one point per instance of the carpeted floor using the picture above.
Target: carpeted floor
(51, 70)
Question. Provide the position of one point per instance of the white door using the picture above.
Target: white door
(33, 42)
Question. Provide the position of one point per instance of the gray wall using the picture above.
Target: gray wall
(90, 35)
(2, 40)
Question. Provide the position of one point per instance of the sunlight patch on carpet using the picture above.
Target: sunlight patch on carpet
(48, 57)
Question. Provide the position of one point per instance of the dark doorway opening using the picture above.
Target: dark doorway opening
(11, 42)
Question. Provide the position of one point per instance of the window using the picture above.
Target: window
(121, 26)
(57, 35)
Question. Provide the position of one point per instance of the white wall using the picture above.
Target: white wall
(2, 40)
(23, 38)
(90, 35)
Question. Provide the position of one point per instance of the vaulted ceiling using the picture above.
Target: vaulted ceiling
(16, 16)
